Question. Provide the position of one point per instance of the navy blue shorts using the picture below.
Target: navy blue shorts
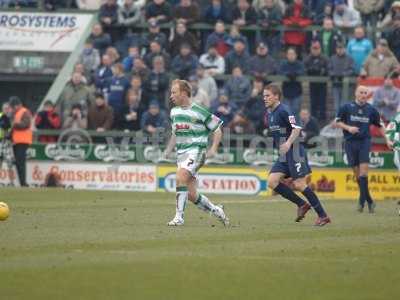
(291, 167)
(357, 151)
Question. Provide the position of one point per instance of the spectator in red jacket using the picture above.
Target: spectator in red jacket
(297, 15)
(48, 118)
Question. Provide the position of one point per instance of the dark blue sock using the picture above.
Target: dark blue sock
(287, 193)
(364, 191)
(361, 199)
(314, 201)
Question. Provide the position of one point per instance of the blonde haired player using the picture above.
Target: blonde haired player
(191, 127)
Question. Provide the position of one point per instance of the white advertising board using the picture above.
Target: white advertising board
(41, 31)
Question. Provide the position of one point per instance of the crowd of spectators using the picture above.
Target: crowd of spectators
(125, 68)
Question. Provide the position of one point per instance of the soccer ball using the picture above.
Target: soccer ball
(4, 211)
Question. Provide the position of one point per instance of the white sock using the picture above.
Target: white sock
(204, 203)
(181, 199)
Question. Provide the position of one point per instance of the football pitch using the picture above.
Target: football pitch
(107, 245)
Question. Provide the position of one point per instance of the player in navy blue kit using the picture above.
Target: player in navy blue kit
(355, 118)
(282, 127)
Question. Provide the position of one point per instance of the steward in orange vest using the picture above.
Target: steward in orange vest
(21, 136)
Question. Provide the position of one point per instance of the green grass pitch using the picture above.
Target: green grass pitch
(106, 245)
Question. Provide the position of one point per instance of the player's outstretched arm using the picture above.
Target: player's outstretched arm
(216, 139)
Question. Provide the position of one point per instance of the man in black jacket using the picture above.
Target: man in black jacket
(310, 128)
(340, 65)
(316, 64)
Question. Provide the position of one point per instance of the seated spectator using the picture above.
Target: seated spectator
(359, 47)
(213, 63)
(259, 4)
(292, 89)
(310, 128)
(186, 11)
(75, 92)
(181, 36)
(108, 16)
(340, 65)
(219, 38)
(153, 119)
(88, 4)
(80, 68)
(100, 115)
(112, 52)
(393, 36)
(207, 83)
(369, 11)
(380, 62)
(316, 64)
(326, 12)
(391, 14)
(154, 34)
(101, 40)
(52, 5)
(387, 99)
(103, 72)
(17, 4)
(345, 17)
(234, 36)
(137, 87)
(262, 64)
(128, 61)
(270, 16)
(296, 15)
(159, 11)
(244, 14)
(129, 13)
(156, 50)
(215, 11)
(238, 87)
(328, 37)
(90, 58)
(238, 56)
(140, 69)
(131, 113)
(253, 112)
(158, 82)
(199, 96)
(224, 109)
(76, 119)
(185, 63)
(47, 118)
(116, 88)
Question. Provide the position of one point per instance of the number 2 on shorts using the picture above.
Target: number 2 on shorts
(191, 161)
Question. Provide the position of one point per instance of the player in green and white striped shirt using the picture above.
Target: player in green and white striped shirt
(191, 127)
(393, 135)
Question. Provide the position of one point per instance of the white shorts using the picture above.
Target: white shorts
(191, 161)
(397, 158)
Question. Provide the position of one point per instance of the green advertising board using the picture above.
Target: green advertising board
(145, 154)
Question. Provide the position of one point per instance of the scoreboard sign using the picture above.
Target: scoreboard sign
(42, 31)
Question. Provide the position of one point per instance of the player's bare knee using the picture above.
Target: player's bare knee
(182, 179)
(273, 182)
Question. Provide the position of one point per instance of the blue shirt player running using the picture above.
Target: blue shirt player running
(355, 118)
(282, 127)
